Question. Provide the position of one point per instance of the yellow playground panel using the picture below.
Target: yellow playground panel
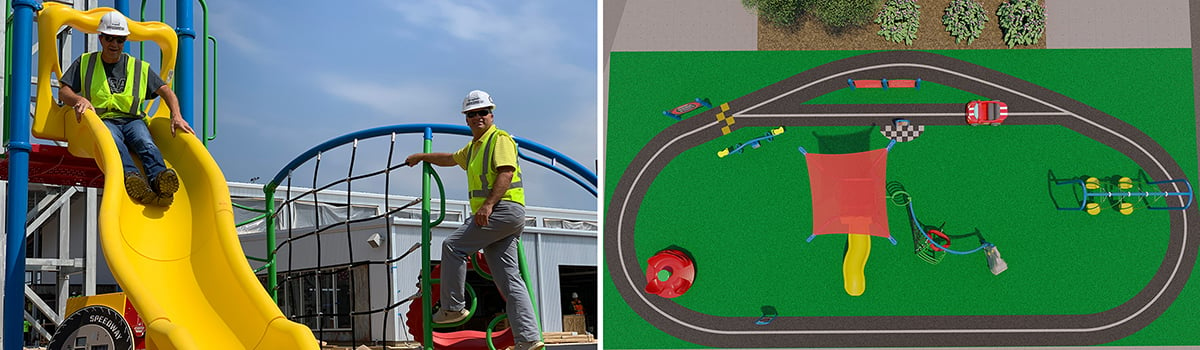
(182, 267)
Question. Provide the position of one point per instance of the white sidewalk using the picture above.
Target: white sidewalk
(684, 25)
(1077, 24)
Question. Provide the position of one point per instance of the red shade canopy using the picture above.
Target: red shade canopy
(848, 192)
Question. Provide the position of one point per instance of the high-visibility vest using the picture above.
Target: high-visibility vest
(481, 172)
(125, 103)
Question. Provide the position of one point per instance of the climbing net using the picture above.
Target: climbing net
(322, 268)
(931, 243)
(328, 241)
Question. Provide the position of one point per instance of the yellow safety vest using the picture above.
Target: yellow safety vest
(125, 103)
(480, 181)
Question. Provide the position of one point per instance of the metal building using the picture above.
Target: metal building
(560, 246)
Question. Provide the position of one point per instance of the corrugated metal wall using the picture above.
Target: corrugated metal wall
(545, 250)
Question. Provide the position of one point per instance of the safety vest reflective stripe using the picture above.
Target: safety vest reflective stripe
(479, 191)
(108, 104)
(487, 165)
(90, 69)
(138, 84)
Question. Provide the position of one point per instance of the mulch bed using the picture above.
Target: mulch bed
(810, 34)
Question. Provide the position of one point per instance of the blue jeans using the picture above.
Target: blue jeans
(132, 134)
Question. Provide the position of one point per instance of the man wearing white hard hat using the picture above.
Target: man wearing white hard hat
(498, 204)
(114, 84)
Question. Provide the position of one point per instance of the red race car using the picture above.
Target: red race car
(986, 112)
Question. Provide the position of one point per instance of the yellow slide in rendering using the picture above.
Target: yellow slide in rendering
(858, 249)
(182, 267)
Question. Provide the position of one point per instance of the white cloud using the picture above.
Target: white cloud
(236, 24)
(410, 100)
(524, 37)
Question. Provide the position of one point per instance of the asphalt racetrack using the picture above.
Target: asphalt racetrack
(782, 103)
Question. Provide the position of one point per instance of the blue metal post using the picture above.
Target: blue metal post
(185, 65)
(18, 171)
(122, 6)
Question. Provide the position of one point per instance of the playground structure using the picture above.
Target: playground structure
(768, 314)
(848, 194)
(670, 273)
(753, 143)
(986, 113)
(459, 339)
(678, 112)
(931, 244)
(847, 197)
(1123, 194)
(280, 197)
(884, 83)
(200, 298)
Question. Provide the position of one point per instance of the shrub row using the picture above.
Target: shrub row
(1023, 22)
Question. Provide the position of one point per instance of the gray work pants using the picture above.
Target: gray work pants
(498, 240)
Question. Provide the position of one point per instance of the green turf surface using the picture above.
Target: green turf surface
(745, 217)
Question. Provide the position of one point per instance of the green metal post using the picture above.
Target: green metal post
(204, 135)
(426, 238)
(272, 281)
(528, 286)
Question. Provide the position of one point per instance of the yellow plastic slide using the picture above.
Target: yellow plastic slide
(182, 266)
(854, 266)
(858, 249)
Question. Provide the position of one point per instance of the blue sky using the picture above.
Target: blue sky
(294, 74)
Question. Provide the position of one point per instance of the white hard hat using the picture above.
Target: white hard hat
(114, 23)
(477, 99)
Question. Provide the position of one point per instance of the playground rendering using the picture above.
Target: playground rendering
(879, 217)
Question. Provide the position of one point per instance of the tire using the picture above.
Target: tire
(93, 327)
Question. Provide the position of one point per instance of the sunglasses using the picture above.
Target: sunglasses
(111, 38)
(473, 114)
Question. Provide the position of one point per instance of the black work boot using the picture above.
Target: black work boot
(166, 183)
(137, 188)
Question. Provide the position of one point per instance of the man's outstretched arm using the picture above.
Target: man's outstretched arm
(439, 159)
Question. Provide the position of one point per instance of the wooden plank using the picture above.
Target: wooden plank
(574, 323)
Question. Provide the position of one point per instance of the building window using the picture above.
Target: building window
(581, 225)
(319, 299)
(415, 214)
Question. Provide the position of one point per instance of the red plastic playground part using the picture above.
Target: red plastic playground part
(452, 340)
(943, 236)
(680, 267)
(49, 164)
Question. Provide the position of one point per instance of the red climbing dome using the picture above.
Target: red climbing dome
(680, 269)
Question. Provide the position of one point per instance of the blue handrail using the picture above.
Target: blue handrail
(929, 239)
